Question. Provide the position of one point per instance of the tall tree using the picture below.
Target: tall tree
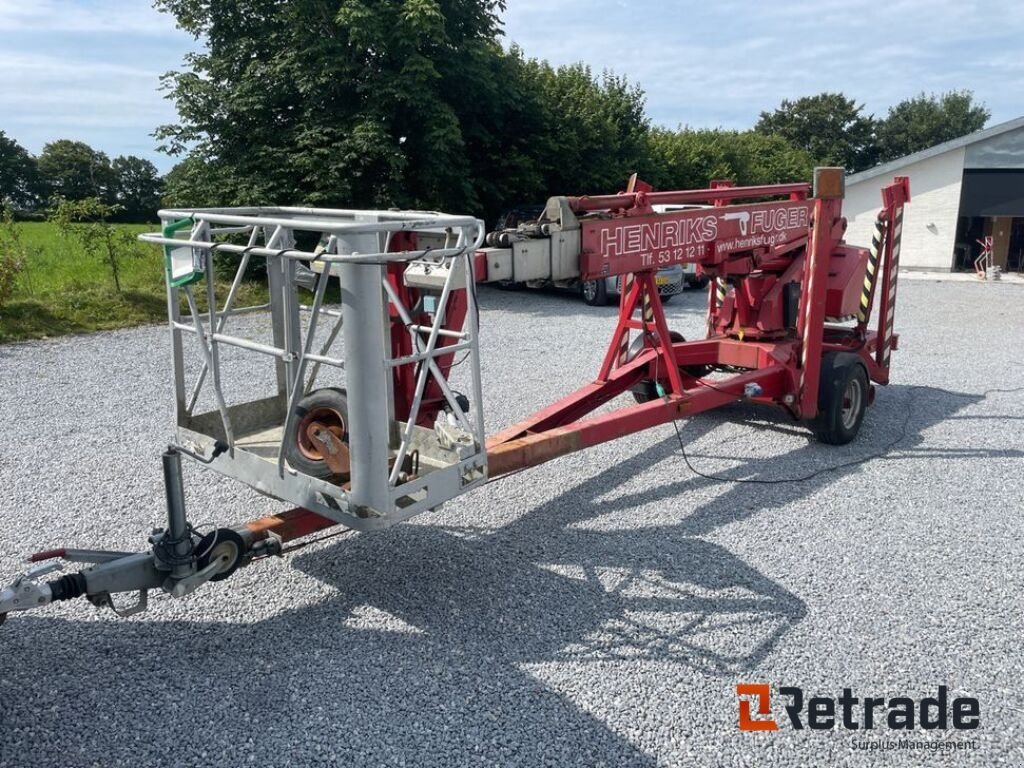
(686, 159)
(830, 127)
(73, 170)
(411, 103)
(926, 120)
(690, 159)
(196, 183)
(331, 101)
(19, 177)
(136, 189)
(593, 130)
(759, 159)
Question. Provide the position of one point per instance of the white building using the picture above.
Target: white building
(961, 191)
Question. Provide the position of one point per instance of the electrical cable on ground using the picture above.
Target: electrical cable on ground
(782, 480)
(835, 467)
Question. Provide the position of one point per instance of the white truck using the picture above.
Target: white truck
(538, 247)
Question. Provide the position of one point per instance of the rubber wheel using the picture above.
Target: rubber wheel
(219, 542)
(327, 406)
(843, 393)
(3, 618)
(644, 391)
(594, 292)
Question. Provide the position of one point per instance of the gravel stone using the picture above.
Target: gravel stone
(597, 610)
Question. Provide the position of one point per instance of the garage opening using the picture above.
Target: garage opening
(991, 215)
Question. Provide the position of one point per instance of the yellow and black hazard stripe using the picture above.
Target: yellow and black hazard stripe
(872, 271)
(894, 267)
(720, 289)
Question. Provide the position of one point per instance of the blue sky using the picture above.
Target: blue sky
(90, 69)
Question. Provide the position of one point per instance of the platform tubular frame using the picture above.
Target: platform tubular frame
(360, 249)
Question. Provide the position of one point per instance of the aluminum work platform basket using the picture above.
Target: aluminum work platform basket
(361, 424)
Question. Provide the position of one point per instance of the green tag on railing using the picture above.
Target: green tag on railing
(184, 263)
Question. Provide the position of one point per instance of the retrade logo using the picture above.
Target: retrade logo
(849, 712)
(762, 696)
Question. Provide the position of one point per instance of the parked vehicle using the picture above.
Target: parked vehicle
(691, 275)
(671, 280)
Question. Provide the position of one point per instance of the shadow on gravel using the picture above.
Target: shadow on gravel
(429, 646)
(894, 428)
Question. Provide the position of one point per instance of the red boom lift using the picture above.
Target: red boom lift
(789, 306)
(789, 324)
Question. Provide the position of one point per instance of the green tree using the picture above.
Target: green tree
(686, 159)
(136, 188)
(408, 103)
(13, 254)
(926, 120)
(19, 177)
(690, 159)
(759, 159)
(327, 102)
(592, 130)
(196, 183)
(830, 127)
(88, 221)
(74, 171)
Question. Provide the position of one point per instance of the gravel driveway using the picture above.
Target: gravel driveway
(598, 610)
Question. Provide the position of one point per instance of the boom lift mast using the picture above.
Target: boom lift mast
(790, 308)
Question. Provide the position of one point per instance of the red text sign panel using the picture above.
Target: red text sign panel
(619, 246)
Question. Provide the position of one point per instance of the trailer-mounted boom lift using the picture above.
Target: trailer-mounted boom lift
(387, 435)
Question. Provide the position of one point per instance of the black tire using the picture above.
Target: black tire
(219, 542)
(594, 292)
(843, 394)
(330, 407)
(645, 390)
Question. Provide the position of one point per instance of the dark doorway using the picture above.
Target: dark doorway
(969, 230)
(1008, 245)
(1015, 257)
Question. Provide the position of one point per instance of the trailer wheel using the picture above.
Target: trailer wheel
(843, 393)
(327, 406)
(644, 390)
(222, 542)
(594, 292)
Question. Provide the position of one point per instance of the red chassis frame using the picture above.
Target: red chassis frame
(800, 238)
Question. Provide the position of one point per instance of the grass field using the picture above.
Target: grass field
(65, 290)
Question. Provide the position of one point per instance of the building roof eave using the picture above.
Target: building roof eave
(938, 149)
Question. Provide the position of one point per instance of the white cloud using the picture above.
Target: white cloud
(65, 96)
(723, 63)
(70, 16)
(90, 70)
(87, 71)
